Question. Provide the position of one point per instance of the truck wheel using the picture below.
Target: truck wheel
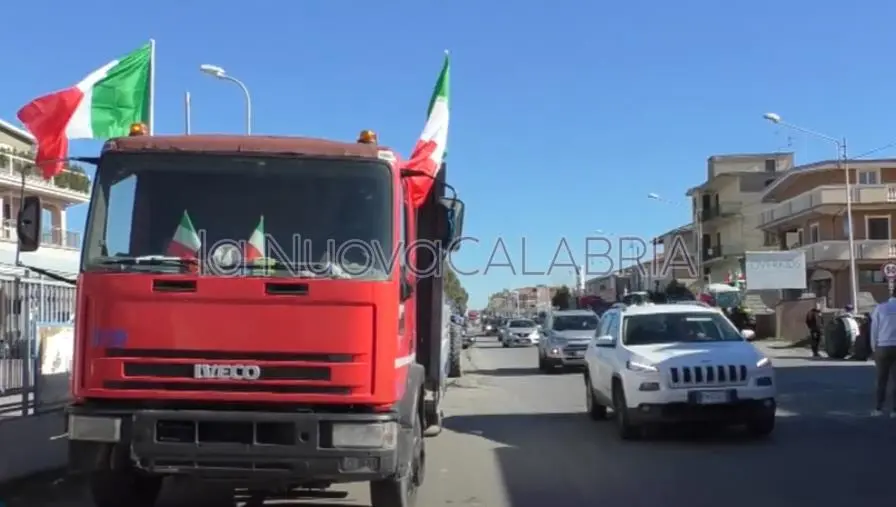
(114, 488)
(402, 492)
(455, 370)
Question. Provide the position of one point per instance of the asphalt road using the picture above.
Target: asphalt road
(515, 437)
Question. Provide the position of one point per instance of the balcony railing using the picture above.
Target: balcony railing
(54, 237)
(15, 163)
(866, 249)
(722, 209)
(830, 195)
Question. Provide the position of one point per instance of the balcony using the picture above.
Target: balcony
(838, 251)
(720, 210)
(828, 199)
(53, 238)
(716, 252)
(71, 185)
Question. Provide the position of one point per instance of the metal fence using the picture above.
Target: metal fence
(25, 302)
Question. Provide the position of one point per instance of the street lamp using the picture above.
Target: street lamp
(219, 73)
(843, 163)
(697, 219)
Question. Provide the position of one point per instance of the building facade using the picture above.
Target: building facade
(727, 208)
(808, 212)
(61, 244)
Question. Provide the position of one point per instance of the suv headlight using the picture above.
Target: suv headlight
(640, 366)
(533, 334)
(764, 363)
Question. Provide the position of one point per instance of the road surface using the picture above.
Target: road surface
(518, 438)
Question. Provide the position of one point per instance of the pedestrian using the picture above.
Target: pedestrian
(815, 323)
(883, 345)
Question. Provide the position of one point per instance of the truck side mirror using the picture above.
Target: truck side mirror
(454, 222)
(28, 224)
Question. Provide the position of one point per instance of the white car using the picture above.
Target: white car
(520, 332)
(666, 363)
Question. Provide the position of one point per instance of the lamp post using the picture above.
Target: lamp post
(697, 219)
(843, 163)
(219, 73)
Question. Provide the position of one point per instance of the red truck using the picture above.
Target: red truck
(319, 364)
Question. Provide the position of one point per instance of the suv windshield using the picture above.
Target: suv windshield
(658, 328)
(521, 323)
(311, 217)
(575, 322)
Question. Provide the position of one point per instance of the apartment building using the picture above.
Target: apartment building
(611, 287)
(60, 243)
(727, 208)
(654, 273)
(536, 298)
(808, 211)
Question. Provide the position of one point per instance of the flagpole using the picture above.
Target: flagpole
(152, 86)
(187, 114)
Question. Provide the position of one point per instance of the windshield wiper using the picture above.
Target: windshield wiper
(147, 260)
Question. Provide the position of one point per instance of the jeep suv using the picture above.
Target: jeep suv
(656, 364)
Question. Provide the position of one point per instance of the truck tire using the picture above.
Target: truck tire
(115, 488)
(455, 369)
(402, 492)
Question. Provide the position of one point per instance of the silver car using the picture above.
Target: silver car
(523, 332)
(566, 338)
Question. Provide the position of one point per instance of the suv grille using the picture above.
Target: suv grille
(709, 375)
(576, 347)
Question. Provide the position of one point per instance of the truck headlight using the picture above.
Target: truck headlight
(94, 429)
(365, 435)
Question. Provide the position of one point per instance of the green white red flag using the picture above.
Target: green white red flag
(186, 242)
(255, 247)
(429, 152)
(102, 105)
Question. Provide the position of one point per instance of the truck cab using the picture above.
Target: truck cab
(248, 310)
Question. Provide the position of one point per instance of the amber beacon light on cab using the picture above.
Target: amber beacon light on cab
(211, 342)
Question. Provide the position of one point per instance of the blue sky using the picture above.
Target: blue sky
(565, 114)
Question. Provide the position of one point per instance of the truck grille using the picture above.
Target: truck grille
(709, 375)
(162, 369)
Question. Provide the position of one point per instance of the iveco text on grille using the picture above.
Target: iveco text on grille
(227, 371)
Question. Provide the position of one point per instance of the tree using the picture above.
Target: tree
(562, 298)
(453, 289)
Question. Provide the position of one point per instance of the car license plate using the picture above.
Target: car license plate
(712, 397)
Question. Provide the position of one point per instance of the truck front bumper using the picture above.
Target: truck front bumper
(245, 447)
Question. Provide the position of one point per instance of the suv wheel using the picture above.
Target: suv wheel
(627, 430)
(596, 411)
(762, 426)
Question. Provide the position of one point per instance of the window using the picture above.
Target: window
(312, 209)
(771, 239)
(574, 323)
(871, 276)
(800, 237)
(605, 322)
(771, 165)
(877, 227)
(667, 328)
(814, 233)
(869, 176)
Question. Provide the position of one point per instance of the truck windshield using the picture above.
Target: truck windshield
(228, 215)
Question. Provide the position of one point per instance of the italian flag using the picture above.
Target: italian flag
(255, 245)
(185, 243)
(429, 151)
(102, 105)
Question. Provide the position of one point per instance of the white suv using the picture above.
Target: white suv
(654, 364)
